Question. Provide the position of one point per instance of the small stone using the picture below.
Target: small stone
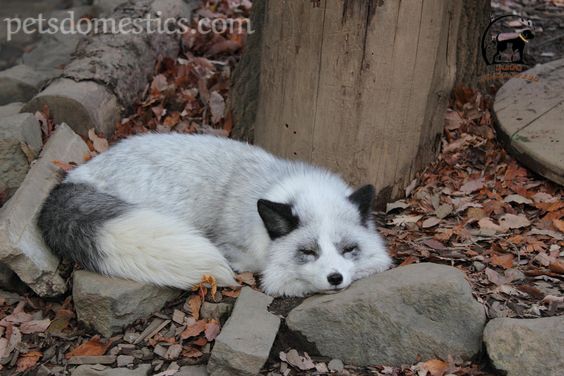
(432, 304)
(108, 304)
(173, 352)
(100, 370)
(160, 351)
(192, 371)
(526, 347)
(102, 359)
(336, 365)
(124, 360)
(130, 337)
(239, 350)
(178, 316)
(216, 311)
(478, 266)
(21, 246)
(126, 348)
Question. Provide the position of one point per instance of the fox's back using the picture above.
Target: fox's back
(186, 175)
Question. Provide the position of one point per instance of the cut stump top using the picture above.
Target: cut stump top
(530, 119)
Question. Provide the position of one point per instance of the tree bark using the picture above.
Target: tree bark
(358, 86)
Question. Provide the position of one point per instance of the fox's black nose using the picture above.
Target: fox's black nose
(335, 279)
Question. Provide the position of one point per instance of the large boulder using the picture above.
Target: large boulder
(523, 347)
(245, 341)
(21, 247)
(108, 304)
(393, 317)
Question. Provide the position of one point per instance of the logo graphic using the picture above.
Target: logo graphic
(505, 39)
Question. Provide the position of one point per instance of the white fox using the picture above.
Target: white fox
(169, 208)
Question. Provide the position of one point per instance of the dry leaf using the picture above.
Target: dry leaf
(487, 224)
(557, 267)
(212, 330)
(100, 144)
(247, 278)
(194, 330)
(28, 360)
(505, 261)
(404, 219)
(453, 120)
(400, 204)
(191, 352)
(63, 165)
(517, 199)
(512, 221)
(195, 303)
(559, 224)
(94, 347)
(495, 277)
(217, 107)
(435, 367)
(231, 293)
(472, 186)
(35, 326)
(293, 358)
(430, 222)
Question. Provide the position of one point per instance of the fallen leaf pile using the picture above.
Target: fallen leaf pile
(477, 209)
(189, 94)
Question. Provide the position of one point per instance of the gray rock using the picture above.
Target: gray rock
(100, 370)
(10, 109)
(21, 83)
(392, 317)
(192, 371)
(526, 347)
(20, 141)
(107, 304)
(54, 51)
(124, 360)
(336, 365)
(245, 341)
(92, 359)
(21, 246)
(216, 311)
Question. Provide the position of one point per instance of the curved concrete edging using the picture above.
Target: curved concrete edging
(529, 117)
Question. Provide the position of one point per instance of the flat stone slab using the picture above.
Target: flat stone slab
(530, 119)
(245, 341)
(21, 245)
(107, 304)
(526, 347)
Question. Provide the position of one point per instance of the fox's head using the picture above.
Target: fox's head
(322, 239)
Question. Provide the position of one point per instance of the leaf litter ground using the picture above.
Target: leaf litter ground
(475, 208)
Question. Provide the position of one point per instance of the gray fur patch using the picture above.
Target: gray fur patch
(71, 217)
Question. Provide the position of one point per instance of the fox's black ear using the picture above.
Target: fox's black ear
(277, 218)
(363, 199)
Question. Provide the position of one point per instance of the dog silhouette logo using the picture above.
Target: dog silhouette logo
(505, 39)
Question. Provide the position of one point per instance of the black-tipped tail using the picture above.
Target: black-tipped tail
(71, 217)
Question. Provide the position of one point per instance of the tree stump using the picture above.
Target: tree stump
(358, 86)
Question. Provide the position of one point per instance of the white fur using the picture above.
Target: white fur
(196, 195)
(155, 248)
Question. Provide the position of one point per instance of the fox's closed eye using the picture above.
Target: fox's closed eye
(350, 249)
(307, 251)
